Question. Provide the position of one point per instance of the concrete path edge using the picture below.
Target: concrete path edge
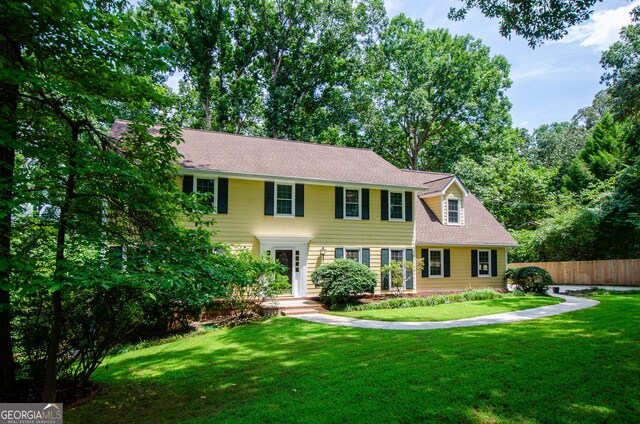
(570, 304)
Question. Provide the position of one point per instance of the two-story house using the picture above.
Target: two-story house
(306, 204)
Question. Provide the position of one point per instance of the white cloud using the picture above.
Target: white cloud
(523, 124)
(602, 29)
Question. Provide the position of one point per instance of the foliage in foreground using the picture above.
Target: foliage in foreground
(251, 281)
(409, 302)
(579, 367)
(530, 279)
(342, 280)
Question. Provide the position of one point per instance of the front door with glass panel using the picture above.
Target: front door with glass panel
(285, 257)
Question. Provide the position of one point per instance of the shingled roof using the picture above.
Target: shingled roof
(480, 227)
(273, 158)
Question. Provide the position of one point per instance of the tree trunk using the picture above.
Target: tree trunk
(49, 390)
(8, 125)
(207, 111)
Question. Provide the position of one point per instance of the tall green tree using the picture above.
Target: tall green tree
(621, 63)
(80, 64)
(311, 51)
(429, 97)
(534, 20)
(215, 45)
(556, 144)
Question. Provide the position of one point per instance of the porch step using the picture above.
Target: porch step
(302, 311)
(292, 307)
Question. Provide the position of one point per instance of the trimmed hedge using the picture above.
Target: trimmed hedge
(342, 280)
(409, 302)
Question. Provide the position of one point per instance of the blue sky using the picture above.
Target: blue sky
(550, 83)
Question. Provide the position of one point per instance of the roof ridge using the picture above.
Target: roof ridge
(308, 143)
(428, 172)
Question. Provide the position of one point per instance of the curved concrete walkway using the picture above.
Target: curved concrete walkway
(570, 304)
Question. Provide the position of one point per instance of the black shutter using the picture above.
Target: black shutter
(366, 257)
(408, 256)
(384, 205)
(447, 263)
(268, 197)
(425, 266)
(408, 206)
(187, 184)
(384, 260)
(494, 263)
(339, 253)
(365, 203)
(339, 202)
(474, 263)
(223, 195)
(299, 199)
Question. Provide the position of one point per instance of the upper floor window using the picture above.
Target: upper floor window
(352, 203)
(453, 211)
(396, 206)
(284, 199)
(484, 263)
(206, 185)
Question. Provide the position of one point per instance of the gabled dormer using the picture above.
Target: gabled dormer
(446, 198)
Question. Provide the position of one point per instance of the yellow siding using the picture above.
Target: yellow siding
(435, 204)
(461, 271)
(245, 220)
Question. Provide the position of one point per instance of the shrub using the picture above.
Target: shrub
(343, 279)
(398, 274)
(410, 302)
(530, 279)
(251, 281)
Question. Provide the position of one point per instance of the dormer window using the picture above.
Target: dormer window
(453, 211)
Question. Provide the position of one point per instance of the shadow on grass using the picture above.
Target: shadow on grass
(579, 367)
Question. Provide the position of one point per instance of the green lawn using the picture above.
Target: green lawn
(579, 367)
(449, 311)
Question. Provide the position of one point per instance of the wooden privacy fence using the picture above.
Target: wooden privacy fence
(622, 272)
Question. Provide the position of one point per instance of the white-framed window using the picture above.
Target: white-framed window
(206, 185)
(398, 255)
(353, 253)
(484, 263)
(435, 263)
(352, 198)
(284, 199)
(396, 206)
(453, 211)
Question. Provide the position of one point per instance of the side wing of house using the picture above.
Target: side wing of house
(461, 243)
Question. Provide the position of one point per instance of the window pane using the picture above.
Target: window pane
(395, 200)
(284, 201)
(284, 191)
(284, 207)
(435, 262)
(483, 262)
(396, 255)
(353, 254)
(453, 211)
(204, 185)
(352, 203)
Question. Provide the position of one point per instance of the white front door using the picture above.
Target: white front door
(291, 252)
